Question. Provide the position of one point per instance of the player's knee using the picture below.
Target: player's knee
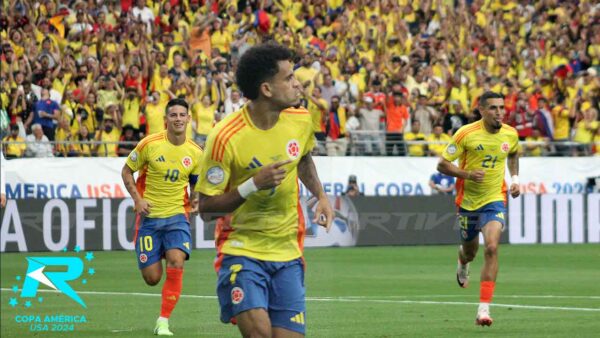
(177, 264)
(469, 255)
(152, 279)
(491, 249)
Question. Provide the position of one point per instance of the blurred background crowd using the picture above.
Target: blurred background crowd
(381, 77)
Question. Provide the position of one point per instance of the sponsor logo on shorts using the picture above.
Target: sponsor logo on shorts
(215, 175)
(143, 258)
(299, 318)
(237, 295)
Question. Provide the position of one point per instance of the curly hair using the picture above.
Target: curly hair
(259, 64)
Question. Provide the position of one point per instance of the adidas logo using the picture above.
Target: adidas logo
(500, 215)
(479, 147)
(254, 164)
(160, 159)
(187, 245)
(299, 318)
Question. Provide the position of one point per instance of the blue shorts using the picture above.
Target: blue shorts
(472, 221)
(157, 235)
(278, 287)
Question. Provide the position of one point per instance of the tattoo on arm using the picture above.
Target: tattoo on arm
(307, 172)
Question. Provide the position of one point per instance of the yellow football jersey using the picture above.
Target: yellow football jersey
(269, 224)
(165, 171)
(477, 149)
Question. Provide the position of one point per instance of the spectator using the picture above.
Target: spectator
(38, 144)
(397, 115)
(585, 130)
(203, 114)
(562, 129)
(318, 108)
(425, 114)
(154, 111)
(352, 190)
(536, 149)
(45, 113)
(131, 137)
(111, 134)
(370, 136)
(82, 145)
(441, 184)
(438, 140)
(415, 135)
(14, 150)
(132, 108)
(63, 135)
(337, 143)
(234, 102)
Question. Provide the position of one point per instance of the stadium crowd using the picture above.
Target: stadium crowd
(95, 76)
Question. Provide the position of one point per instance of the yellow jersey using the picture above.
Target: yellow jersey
(155, 118)
(561, 123)
(269, 225)
(165, 172)
(477, 149)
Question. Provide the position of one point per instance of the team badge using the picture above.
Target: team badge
(143, 258)
(451, 149)
(293, 149)
(133, 156)
(505, 147)
(215, 175)
(186, 161)
(237, 295)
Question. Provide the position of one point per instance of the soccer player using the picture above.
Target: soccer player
(168, 162)
(482, 148)
(251, 165)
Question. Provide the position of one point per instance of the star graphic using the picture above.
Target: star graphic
(40, 299)
(84, 281)
(15, 288)
(77, 249)
(89, 256)
(13, 302)
(91, 271)
(18, 278)
(28, 304)
(64, 249)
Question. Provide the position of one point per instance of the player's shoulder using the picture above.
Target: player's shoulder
(193, 146)
(232, 120)
(296, 114)
(467, 129)
(151, 139)
(509, 130)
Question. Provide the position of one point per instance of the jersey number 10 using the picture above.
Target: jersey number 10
(172, 175)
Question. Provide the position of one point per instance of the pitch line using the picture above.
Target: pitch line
(344, 299)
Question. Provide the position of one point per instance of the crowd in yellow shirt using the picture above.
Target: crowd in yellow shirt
(91, 55)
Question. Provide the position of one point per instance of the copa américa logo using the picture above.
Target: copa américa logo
(61, 273)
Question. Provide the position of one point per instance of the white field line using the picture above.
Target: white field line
(347, 300)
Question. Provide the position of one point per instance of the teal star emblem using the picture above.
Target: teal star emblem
(18, 278)
(89, 256)
(13, 302)
(84, 281)
(91, 271)
(40, 299)
(77, 249)
(15, 288)
(28, 304)
(64, 249)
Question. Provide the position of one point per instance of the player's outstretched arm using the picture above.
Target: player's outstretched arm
(446, 167)
(270, 176)
(141, 205)
(307, 172)
(513, 168)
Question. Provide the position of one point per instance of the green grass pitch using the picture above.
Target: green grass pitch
(542, 291)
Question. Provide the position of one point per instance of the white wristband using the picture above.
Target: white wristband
(515, 179)
(247, 188)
